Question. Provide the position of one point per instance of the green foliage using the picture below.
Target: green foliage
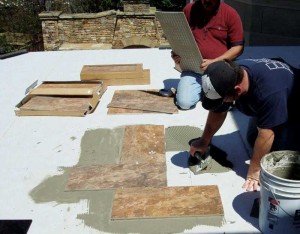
(21, 16)
(168, 5)
(93, 6)
(4, 46)
(83, 6)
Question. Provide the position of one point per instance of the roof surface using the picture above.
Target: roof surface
(34, 149)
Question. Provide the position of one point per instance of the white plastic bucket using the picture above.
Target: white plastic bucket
(279, 210)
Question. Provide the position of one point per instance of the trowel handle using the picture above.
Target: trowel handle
(198, 155)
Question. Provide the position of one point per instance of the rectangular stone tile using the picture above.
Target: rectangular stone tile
(143, 144)
(99, 177)
(167, 202)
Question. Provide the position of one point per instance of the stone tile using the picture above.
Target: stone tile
(143, 143)
(99, 177)
(134, 203)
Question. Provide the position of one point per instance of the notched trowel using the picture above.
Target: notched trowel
(198, 162)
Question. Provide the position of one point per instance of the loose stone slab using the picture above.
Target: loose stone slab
(167, 202)
(141, 100)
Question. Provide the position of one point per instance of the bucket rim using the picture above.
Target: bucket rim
(264, 170)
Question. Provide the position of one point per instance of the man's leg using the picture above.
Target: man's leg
(188, 90)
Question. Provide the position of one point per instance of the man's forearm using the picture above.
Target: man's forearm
(232, 53)
(213, 124)
(262, 146)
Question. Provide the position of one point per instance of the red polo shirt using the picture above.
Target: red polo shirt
(223, 31)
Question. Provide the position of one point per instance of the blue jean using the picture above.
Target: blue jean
(188, 90)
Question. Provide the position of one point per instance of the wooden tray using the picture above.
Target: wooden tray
(65, 98)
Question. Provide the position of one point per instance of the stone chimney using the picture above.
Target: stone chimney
(139, 6)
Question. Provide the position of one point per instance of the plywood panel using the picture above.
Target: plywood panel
(146, 100)
(111, 71)
(117, 74)
(98, 177)
(141, 79)
(167, 202)
(143, 144)
(46, 103)
(69, 84)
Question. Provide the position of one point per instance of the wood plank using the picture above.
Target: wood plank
(141, 80)
(146, 100)
(167, 202)
(143, 144)
(63, 91)
(70, 84)
(48, 103)
(99, 177)
(117, 74)
(111, 71)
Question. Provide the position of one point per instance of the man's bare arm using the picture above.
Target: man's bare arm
(262, 146)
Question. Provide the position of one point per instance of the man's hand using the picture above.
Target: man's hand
(262, 146)
(251, 184)
(205, 63)
(198, 145)
(252, 180)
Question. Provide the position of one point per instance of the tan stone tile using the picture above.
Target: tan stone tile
(99, 177)
(143, 144)
(133, 203)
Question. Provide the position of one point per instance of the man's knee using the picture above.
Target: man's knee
(185, 103)
(188, 92)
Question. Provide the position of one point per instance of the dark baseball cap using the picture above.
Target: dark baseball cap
(217, 81)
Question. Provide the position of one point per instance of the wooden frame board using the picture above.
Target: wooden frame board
(64, 98)
(117, 74)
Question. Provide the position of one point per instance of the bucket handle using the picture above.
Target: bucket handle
(272, 191)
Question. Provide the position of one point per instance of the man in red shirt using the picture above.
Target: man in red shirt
(218, 31)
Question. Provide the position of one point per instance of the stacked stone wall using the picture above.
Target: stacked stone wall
(92, 30)
(50, 35)
(119, 29)
(142, 7)
(136, 30)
